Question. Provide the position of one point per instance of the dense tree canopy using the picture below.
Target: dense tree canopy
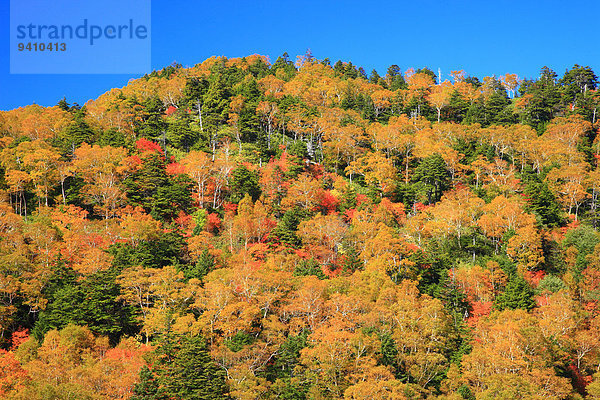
(300, 230)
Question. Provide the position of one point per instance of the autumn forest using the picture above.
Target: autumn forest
(302, 229)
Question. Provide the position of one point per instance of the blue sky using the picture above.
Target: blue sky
(481, 37)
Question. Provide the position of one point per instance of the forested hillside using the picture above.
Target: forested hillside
(243, 229)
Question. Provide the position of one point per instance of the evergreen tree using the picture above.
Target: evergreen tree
(284, 64)
(286, 228)
(215, 102)
(194, 91)
(427, 71)
(394, 78)
(205, 264)
(75, 134)
(517, 294)
(161, 195)
(180, 135)
(544, 97)
(112, 137)
(453, 298)
(63, 105)
(585, 239)
(258, 69)
(243, 181)
(193, 375)
(542, 202)
(476, 113)
(92, 302)
(166, 249)
(455, 301)
(350, 71)
(362, 73)
(308, 268)
(457, 107)
(288, 356)
(473, 80)
(352, 261)
(152, 125)
(339, 68)
(497, 110)
(577, 81)
(365, 104)
(148, 387)
(388, 351)
(433, 177)
(349, 100)
(374, 78)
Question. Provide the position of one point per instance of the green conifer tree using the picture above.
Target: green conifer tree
(193, 375)
(518, 294)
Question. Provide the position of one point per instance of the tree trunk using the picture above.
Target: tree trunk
(200, 114)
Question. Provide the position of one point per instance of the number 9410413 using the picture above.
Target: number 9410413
(42, 46)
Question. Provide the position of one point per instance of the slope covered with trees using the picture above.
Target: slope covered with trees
(248, 230)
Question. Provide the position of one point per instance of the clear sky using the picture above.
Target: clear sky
(482, 37)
